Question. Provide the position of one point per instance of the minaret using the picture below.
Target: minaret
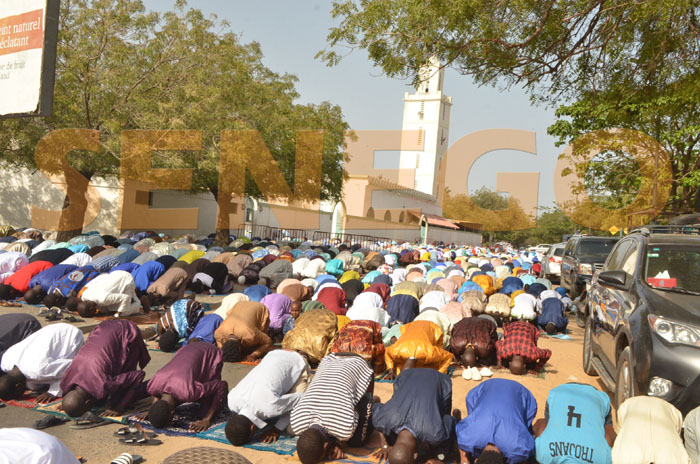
(427, 110)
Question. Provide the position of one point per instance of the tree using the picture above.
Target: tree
(552, 47)
(669, 114)
(122, 67)
(488, 208)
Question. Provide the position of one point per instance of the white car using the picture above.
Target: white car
(541, 248)
(551, 263)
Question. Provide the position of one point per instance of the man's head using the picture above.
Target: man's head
(239, 429)
(295, 309)
(410, 364)
(198, 287)
(77, 402)
(550, 328)
(54, 299)
(468, 358)
(34, 295)
(168, 340)
(403, 450)
(87, 308)
(161, 414)
(6, 292)
(232, 350)
(12, 386)
(517, 365)
(491, 455)
(153, 299)
(72, 303)
(311, 446)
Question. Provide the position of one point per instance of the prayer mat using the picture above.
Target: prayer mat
(206, 454)
(559, 336)
(286, 444)
(27, 401)
(185, 414)
(139, 406)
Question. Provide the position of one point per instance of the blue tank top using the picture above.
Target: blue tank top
(575, 433)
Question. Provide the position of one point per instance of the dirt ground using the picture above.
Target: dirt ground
(100, 446)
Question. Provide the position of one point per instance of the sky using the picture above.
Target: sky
(292, 32)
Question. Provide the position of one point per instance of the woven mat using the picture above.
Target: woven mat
(204, 454)
(380, 378)
(185, 414)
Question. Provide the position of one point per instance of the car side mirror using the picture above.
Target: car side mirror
(613, 278)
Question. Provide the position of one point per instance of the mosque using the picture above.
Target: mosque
(394, 204)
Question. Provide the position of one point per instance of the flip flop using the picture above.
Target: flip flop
(10, 304)
(52, 315)
(130, 431)
(72, 318)
(126, 458)
(141, 440)
(49, 421)
(89, 420)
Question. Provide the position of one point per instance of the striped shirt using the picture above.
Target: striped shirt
(337, 387)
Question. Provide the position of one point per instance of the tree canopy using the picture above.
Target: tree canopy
(552, 47)
(122, 67)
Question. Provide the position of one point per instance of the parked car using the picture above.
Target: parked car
(541, 248)
(583, 255)
(551, 263)
(642, 331)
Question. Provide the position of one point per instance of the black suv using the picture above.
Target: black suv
(583, 256)
(643, 325)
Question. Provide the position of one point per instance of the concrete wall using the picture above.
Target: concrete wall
(20, 189)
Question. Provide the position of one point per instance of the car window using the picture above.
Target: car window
(673, 267)
(569, 247)
(629, 264)
(596, 247)
(558, 252)
(616, 258)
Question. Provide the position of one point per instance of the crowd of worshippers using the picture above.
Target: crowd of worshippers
(402, 312)
(335, 407)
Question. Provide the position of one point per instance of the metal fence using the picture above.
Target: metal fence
(272, 233)
(328, 238)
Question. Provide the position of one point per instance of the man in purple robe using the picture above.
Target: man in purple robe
(192, 376)
(105, 368)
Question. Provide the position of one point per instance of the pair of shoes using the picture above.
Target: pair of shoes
(473, 373)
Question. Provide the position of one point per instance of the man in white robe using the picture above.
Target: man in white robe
(38, 361)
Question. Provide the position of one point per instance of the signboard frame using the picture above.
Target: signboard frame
(48, 64)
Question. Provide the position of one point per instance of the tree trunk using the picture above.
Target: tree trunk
(223, 227)
(70, 223)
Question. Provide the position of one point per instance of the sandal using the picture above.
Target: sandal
(126, 458)
(140, 439)
(72, 318)
(49, 421)
(89, 420)
(10, 304)
(129, 431)
(53, 315)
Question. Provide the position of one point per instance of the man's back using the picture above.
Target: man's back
(501, 413)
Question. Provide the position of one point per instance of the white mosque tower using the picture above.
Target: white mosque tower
(427, 110)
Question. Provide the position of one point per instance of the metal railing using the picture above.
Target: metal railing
(271, 233)
(330, 238)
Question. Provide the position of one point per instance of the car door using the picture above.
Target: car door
(612, 303)
(568, 263)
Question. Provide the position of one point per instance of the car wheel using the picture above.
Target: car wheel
(573, 289)
(624, 383)
(588, 348)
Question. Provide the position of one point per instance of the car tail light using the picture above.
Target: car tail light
(554, 259)
(674, 332)
(584, 268)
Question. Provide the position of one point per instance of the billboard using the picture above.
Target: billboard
(28, 37)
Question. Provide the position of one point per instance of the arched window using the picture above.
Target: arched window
(370, 213)
(387, 216)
